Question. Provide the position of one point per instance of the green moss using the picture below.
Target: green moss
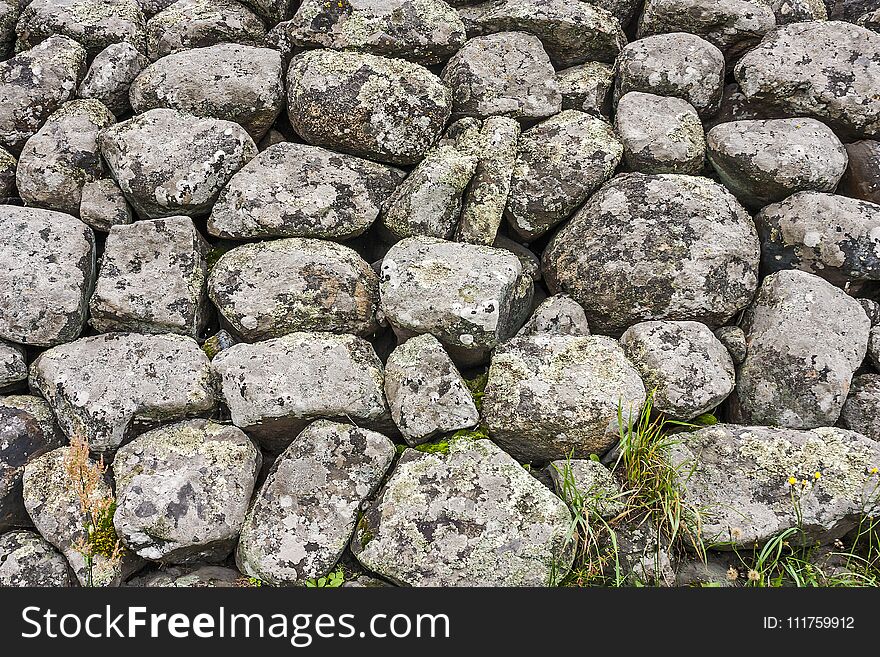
(439, 447)
(366, 534)
(103, 539)
(480, 433)
(477, 386)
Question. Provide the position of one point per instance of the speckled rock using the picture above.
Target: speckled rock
(738, 477)
(797, 11)
(103, 205)
(201, 23)
(226, 81)
(554, 396)
(559, 315)
(559, 163)
(429, 201)
(170, 163)
(63, 156)
(385, 109)
(874, 347)
(572, 32)
(678, 64)
(862, 177)
(153, 7)
(9, 13)
(28, 560)
(689, 371)
(486, 196)
(53, 503)
(8, 163)
(504, 527)
(503, 74)
(656, 247)
(25, 434)
(13, 366)
(105, 388)
(835, 80)
(734, 340)
(423, 31)
(736, 107)
(152, 279)
(872, 310)
(425, 391)
(268, 289)
(304, 515)
(36, 407)
(733, 26)
(586, 87)
(272, 11)
(588, 484)
(660, 134)
(190, 577)
(47, 270)
(95, 24)
(763, 162)
(182, 491)
(297, 190)
(469, 297)
(274, 388)
(835, 237)
(110, 76)
(861, 411)
(805, 339)
(35, 83)
(849, 10)
(871, 20)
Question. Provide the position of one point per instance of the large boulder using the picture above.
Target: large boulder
(47, 270)
(471, 517)
(835, 237)
(470, 297)
(559, 163)
(837, 73)
(552, 396)
(275, 388)
(170, 163)
(227, 81)
(739, 477)
(304, 515)
(182, 491)
(664, 246)
(805, 339)
(297, 190)
(110, 76)
(385, 109)
(27, 560)
(105, 387)
(587, 87)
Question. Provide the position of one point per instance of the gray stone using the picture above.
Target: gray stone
(9, 13)
(641, 553)
(861, 411)
(297, 190)
(46, 275)
(472, 517)
(103, 205)
(13, 366)
(797, 11)
(739, 477)
(736, 107)
(874, 347)
(553, 396)
(572, 32)
(105, 388)
(8, 163)
(834, 81)
(93, 23)
(170, 163)
(385, 109)
(190, 577)
(586, 87)
(862, 177)
(429, 201)
(423, 31)
(274, 388)
(218, 342)
(35, 83)
(469, 297)
(872, 310)
(531, 263)
(152, 279)
(27, 560)
(763, 162)
(660, 134)
(153, 7)
(734, 340)
(666, 246)
(201, 23)
(679, 64)
(268, 289)
(558, 315)
(805, 339)
(110, 76)
(182, 491)
(503, 74)
(835, 237)
(686, 368)
(560, 162)
(304, 515)
(272, 11)
(425, 391)
(734, 26)
(63, 156)
(36, 407)
(588, 485)
(849, 10)
(871, 20)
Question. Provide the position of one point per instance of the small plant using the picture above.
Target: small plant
(331, 581)
(477, 386)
